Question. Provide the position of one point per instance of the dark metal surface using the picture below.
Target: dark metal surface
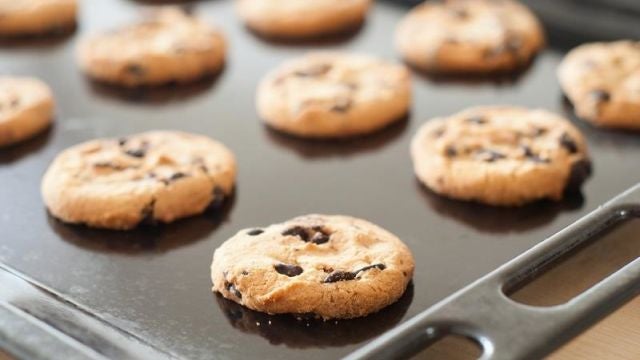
(509, 330)
(156, 284)
(36, 323)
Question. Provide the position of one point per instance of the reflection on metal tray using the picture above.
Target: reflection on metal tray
(155, 286)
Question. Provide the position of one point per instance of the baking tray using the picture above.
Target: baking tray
(153, 287)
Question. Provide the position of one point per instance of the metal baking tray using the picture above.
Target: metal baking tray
(146, 293)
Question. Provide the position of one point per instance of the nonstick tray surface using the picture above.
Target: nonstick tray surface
(155, 283)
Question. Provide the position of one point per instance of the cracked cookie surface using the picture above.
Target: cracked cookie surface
(36, 17)
(302, 19)
(26, 108)
(469, 36)
(334, 95)
(167, 46)
(500, 155)
(602, 80)
(158, 176)
(328, 266)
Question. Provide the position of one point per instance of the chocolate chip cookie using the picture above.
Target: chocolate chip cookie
(333, 95)
(167, 46)
(26, 108)
(295, 19)
(602, 80)
(36, 17)
(148, 178)
(469, 36)
(504, 156)
(317, 265)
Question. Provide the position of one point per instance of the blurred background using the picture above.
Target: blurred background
(579, 20)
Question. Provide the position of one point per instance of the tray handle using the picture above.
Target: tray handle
(506, 329)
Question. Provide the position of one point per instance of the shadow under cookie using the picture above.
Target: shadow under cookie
(17, 151)
(154, 95)
(626, 138)
(145, 238)
(311, 148)
(499, 78)
(304, 331)
(500, 220)
(326, 39)
(53, 37)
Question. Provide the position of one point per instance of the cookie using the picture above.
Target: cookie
(504, 156)
(602, 80)
(469, 36)
(148, 178)
(168, 46)
(294, 19)
(36, 17)
(26, 108)
(334, 95)
(319, 265)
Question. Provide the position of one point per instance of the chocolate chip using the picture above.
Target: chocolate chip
(254, 232)
(450, 151)
(232, 289)
(494, 155)
(438, 132)
(477, 120)
(319, 238)
(350, 275)
(298, 231)
(568, 143)
(146, 214)
(377, 266)
(315, 70)
(341, 104)
(135, 70)
(511, 45)
(289, 270)
(600, 96)
(327, 269)
(530, 155)
(177, 176)
(138, 153)
(217, 199)
(580, 171)
(489, 155)
(109, 165)
(460, 13)
(122, 141)
(339, 276)
(314, 235)
(539, 131)
(14, 102)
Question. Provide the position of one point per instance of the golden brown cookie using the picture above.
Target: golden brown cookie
(334, 95)
(328, 266)
(158, 176)
(602, 80)
(297, 19)
(26, 108)
(167, 46)
(469, 36)
(36, 17)
(499, 155)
